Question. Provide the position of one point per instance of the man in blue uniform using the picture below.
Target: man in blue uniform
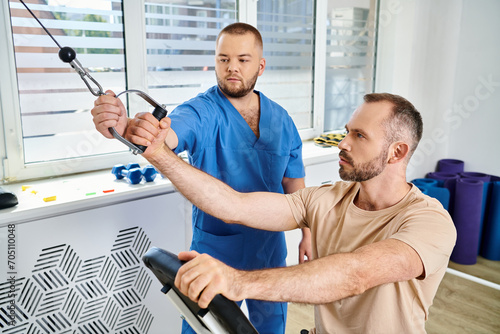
(239, 136)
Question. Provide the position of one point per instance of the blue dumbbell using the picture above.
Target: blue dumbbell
(132, 172)
(149, 173)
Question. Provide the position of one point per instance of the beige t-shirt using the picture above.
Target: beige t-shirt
(338, 226)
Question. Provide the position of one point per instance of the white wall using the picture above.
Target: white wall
(474, 131)
(436, 54)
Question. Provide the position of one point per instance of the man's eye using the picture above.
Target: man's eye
(359, 135)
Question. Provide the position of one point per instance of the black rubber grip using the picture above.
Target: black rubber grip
(159, 113)
(165, 265)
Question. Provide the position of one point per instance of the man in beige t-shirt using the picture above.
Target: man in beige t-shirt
(380, 247)
(339, 226)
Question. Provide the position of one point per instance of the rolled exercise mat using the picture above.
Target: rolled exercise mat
(450, 166)
(425, 182)
(441, 177)
(433, 190)
(476, 176)
(490, 244)
(486, 198)
(494, 178)
(446, 180)
(467, 216)
(424, 190)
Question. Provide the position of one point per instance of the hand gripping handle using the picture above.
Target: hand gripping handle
(159, 112)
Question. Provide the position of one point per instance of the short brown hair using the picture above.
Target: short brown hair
(240, 28)
(405, 123)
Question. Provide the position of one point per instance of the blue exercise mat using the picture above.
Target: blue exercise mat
(490, 242)
(432, 189)
(425, 182)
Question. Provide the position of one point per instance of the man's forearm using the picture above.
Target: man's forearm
(336, 276)
(316, 282)
(262, 210)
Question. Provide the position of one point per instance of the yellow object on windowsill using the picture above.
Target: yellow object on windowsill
(329, 139)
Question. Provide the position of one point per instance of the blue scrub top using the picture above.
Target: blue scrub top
(220, 142)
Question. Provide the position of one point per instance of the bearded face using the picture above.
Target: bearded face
(235, 86)
(363, 171)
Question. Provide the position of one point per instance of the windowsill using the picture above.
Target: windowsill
(312, 154)
(76, 193)
(97, 189)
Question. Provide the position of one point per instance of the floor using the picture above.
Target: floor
(460, 306)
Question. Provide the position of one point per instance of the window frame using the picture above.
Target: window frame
(11, 141)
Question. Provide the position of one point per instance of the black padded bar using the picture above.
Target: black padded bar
(165, 265)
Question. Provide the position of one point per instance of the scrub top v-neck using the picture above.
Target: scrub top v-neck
(240, 121)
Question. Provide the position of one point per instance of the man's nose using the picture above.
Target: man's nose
(232, 66)
(343, 144)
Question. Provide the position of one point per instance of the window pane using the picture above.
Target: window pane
(287, 28)
(55, 103)
(350, 59)
(180, 39)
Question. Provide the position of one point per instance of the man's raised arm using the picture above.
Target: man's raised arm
(262, 210)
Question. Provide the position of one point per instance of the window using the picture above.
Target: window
(320, 62)
(287, 29)
(54, 102)
(350, 58)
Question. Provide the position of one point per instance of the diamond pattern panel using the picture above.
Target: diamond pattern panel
(68, 294)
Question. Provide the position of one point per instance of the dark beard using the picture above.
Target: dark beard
(237, 92)
(364, 171)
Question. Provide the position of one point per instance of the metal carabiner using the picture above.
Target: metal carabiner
(83, 74)
(68, 55)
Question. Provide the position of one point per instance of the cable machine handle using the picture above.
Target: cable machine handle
(159, 113)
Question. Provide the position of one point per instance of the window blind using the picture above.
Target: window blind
(180, 42)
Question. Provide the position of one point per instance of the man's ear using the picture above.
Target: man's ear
(262, 66)
(398, 152)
